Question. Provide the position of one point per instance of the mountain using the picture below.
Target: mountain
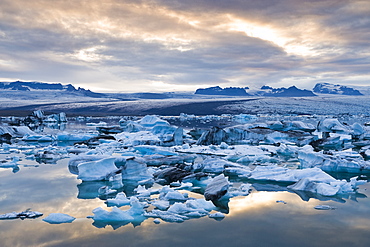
(292, 91)
(230, 91)
(33, 86)
(328, 88)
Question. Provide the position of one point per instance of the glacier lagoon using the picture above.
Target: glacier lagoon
(266, 214)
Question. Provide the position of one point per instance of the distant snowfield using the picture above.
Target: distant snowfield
(13, 102)
(14, 98)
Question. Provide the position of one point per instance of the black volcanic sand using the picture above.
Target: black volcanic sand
(114, 109)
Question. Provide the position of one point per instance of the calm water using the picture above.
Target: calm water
(254, 220)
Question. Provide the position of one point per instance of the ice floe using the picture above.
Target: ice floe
(27, 214)
(58, 218)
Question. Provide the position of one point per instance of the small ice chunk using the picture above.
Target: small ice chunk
(115, 215)
(21, 215)
(167, 216)
(184, 209)
(200, 204)
(185, 146)
(116, 181)
(223, 145)
(175, 195)
(137, 208)
(142, 191)
(156, 221)
(175, 184)
(216, 188)
(161, 204)
(105, 190)
(217, 215)
(281, 201)
(324, 207)
(120, 200)
(59, 218)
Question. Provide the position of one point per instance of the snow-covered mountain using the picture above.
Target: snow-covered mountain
(292, 91)
(267, 91)
(229, 91)
(37, 86)
(328, 88)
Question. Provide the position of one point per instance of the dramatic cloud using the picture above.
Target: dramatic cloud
(166, 45)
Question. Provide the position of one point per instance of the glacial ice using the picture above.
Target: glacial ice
(154, 167)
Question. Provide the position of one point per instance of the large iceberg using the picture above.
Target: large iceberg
(97, 170)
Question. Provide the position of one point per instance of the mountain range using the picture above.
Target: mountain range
(36, 86)
(293, 91)
(265, 91)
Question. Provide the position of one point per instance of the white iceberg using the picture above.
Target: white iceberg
(97, 170)
(119, 201)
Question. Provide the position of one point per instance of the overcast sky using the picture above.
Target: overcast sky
(181, 45)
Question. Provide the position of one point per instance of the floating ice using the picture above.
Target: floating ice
(16, 131)
(281, 201)
(217, 215)
(324, 207)
(161, 204)
(58, 218)
(332, 125)
(135, 169)
(119, 201)
(216, 188)
(174, 195)
(115, 215)
(97, 170)
(73, 137)
(283, 153)
(38, 138)
(21, 215)
(152, 120)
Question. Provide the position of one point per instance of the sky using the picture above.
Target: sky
(182, 45)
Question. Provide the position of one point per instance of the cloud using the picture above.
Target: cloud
(136, 45)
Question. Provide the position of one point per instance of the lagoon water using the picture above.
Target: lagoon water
(259, 219)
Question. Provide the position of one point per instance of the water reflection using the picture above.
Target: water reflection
(54, 188)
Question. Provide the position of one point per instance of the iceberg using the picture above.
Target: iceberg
(97, 170)
(58, 218)
(135, 169)
(27, 214)
(150, 121)
(216, 188)
(332, 125)
(119, 201)
(115, 215)
(217, 215)
(324, 207)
